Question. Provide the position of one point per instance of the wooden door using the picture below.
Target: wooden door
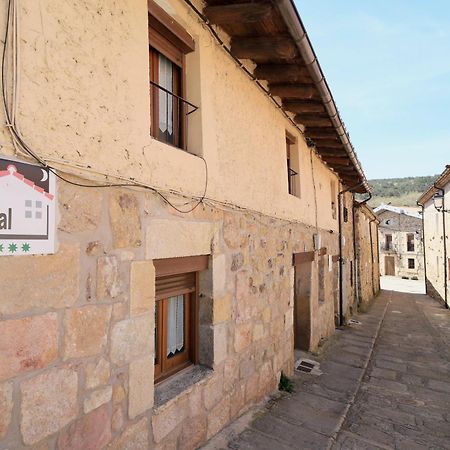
(389, 265)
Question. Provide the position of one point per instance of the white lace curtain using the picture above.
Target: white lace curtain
(165, 99)
(175, 324)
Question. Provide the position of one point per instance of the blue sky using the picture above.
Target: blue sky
(388, 66)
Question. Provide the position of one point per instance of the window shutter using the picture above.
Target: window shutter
(165, 286)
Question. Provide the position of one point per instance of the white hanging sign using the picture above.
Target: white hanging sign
(27, 209)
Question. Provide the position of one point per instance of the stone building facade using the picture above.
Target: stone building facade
(435, 204)
(216, 239)
(401, 244)
(367, 255)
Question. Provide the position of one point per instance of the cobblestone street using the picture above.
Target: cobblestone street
(385, 385)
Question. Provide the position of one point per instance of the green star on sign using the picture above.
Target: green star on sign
(12, 248)
(26, 247)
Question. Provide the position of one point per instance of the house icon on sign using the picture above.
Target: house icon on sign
(24, 206)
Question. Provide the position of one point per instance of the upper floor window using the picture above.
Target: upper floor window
(388, 242)
(293, 166)
(410, 242)
(333, 199)
(168, 45)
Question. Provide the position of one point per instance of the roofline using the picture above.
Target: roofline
(295, 25)
(396, 210)
(440, 183)
(368, 211)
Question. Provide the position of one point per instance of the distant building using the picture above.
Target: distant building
(400, 240)
(435, 204)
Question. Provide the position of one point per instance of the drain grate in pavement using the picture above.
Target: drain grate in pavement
(354, 322)
(308, 366)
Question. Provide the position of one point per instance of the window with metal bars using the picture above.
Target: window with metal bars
(168, 45)
(292, 160)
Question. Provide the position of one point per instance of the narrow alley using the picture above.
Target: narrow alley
(385, 385)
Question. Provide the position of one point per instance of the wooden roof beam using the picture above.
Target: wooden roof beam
(298, 106)
(282, 73)
(339, 161)
(240, 12)
(273, 47)
(321, 133)
(300, 91)
(330, 143)
(312, 120)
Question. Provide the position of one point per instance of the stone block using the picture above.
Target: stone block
(119, 394)
(97, 398)
(141, 386)
(132, 338)
(258, 331)
(118, 418)
(80, 208)
(252, 388)
(119, 311)
(97, 373)
(6, 404)
(49, 402)
(237, 400)
(125, 219)
(142, 287)
(213, 391)
(196, 405)
(108, 278)
(218, 417)
(54, 284)
(193, 432)
(91, 432)
(220, 342)
(222, 309)
(219, 274)
(168, 417)
(86, 330)
(135, 437)
(169, 238)
(27, 344)
(242, 336)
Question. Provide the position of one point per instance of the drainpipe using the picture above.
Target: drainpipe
(424, 246)
(445, 246)
(341, 259)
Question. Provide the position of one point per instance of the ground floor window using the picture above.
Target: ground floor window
(176, 314)
(411, 263)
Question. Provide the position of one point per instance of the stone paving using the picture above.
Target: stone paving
(385, 385)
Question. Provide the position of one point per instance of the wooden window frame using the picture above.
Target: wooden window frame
(410, 243)
(168, 38)
(165, 269)
(293, 183)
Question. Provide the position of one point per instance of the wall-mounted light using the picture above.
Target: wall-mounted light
(438, 200)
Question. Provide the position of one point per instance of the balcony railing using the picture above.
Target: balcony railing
(169, 115)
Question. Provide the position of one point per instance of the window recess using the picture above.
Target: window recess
(176, 314)
(168, 45)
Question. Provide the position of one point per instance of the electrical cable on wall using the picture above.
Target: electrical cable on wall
(11, 112)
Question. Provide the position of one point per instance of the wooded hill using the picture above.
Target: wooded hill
(399, 191)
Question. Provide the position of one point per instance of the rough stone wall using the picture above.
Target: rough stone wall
(76, 328)
(367, 258)
(348, 256)
(399, 226)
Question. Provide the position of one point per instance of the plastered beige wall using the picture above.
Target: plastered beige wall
(81, 103)
(434, 244)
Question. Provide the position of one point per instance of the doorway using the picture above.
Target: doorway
(389, 266)
(302, 300)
